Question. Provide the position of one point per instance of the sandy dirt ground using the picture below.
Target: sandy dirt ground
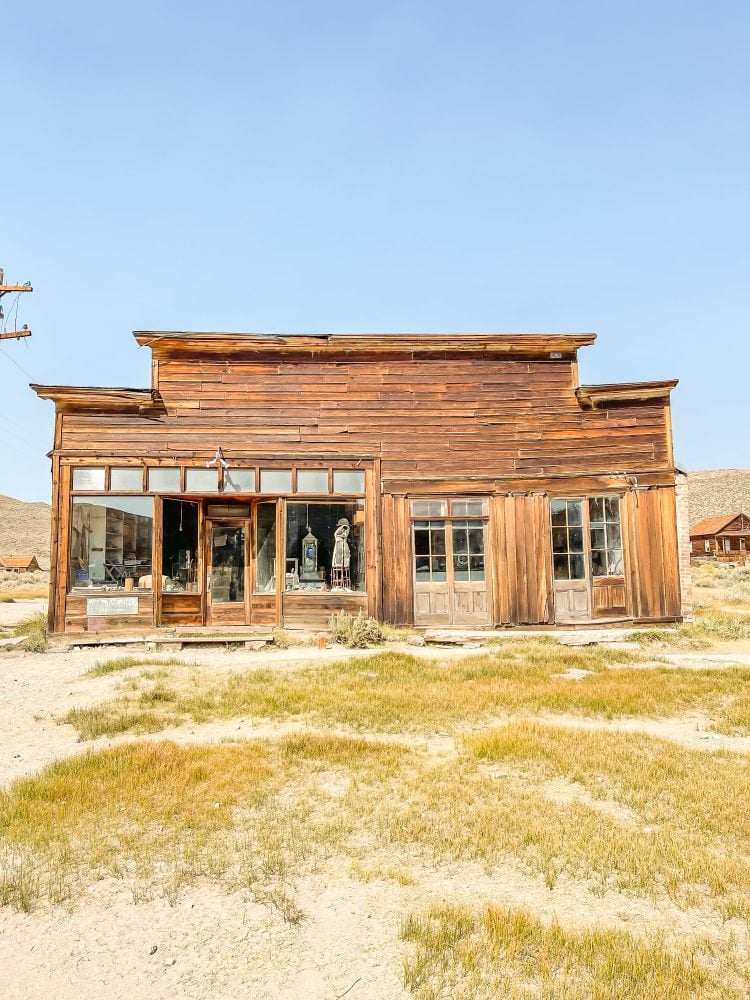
(213, 944)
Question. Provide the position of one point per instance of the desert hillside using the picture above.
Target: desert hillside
(718, 491)
(24, 528)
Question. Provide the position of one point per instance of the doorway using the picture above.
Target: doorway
(228, 571)
(450, 582)
(587, 558)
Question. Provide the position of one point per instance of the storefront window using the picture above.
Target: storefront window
(239, 480)
(110, 542)
(346, 481)
(325, 546)
(265, 555)
(312, 480)
(276, 480)
(88, 479)
(180, 546)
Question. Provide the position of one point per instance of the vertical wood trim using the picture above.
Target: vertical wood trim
(156, 558)
(201, 575)
(63, 546)
(512, 577)
(371, 533)
(626, 523)
(248, 573)
(280, 559)
(388, 571)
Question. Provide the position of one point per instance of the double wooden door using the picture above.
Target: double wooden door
(450, 577)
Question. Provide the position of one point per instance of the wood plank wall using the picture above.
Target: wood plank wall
(422, 417)
(395, 539)
(521, 575)
(653, 580)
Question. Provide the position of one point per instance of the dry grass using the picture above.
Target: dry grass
(118, 663)
(161, 816)
(19, 586)
(498, 952)
(719, 585)
(35, 628)
(708, 628)
(393, 691)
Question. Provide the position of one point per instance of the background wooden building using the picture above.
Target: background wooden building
(19, 564)
(726, 538)
(478, 482)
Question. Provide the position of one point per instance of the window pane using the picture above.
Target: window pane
(345, 481)
(596, 509)
(559, 540)
(476, 541)
(439, 569)
(577, 568)
(88, 479)
(575, 512)
(612, 508)
(421, 542)
(110, 542)
(558, 508)
(164, 480)
(460, 565)
(575, 539)
(428, 508)
(470, 508)
(460, 540)
(312, 480)
(239, 481)
(597, 538)
(438, 540)
(180, 546)
(265, 549)
(477, 567)
(613, 536)
(327, 543)
(599, 563)
(201, 480)
(126, 479)
(276, 480)
(615, 567)
(560, 567)
(422, 566)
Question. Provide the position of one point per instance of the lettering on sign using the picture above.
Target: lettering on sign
(99, 606)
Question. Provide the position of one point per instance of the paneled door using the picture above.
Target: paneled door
(450, 586)
(570, 563)
(587, 558)
(227, 572)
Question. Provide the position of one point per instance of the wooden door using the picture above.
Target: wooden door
(606, 557)
(570, 562)
(450, 585)
(228, 546)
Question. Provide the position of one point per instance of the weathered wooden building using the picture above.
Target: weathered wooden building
(726, 538)
(430, 480)
(19, 564)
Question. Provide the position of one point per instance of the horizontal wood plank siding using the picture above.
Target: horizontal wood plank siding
(444, 418)
(181, 609)
(76, 619)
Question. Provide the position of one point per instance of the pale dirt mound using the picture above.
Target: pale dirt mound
(25, 529)
(714, 492)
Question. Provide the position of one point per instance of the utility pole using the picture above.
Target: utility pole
(6, 290)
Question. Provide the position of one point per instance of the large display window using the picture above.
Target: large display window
(179, 563)
(110, 542)
(325, 547)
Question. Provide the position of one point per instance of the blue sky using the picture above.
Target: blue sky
(412, 166)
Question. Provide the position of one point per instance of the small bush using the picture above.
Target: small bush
(36, 630)
(355, 633)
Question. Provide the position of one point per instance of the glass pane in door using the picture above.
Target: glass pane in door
(227, 564)
(567, 540)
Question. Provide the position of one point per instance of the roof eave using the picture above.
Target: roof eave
(100, 398)
(597, 395)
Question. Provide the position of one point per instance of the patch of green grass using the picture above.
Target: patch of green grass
(126, 662)
(502, 952)
(392, 691)
(35, 628)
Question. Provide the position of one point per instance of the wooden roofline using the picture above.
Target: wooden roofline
(174, 343)
(81, 397)
(617, 392)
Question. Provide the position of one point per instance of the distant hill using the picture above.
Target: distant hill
(25, 528)
(718, 491)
